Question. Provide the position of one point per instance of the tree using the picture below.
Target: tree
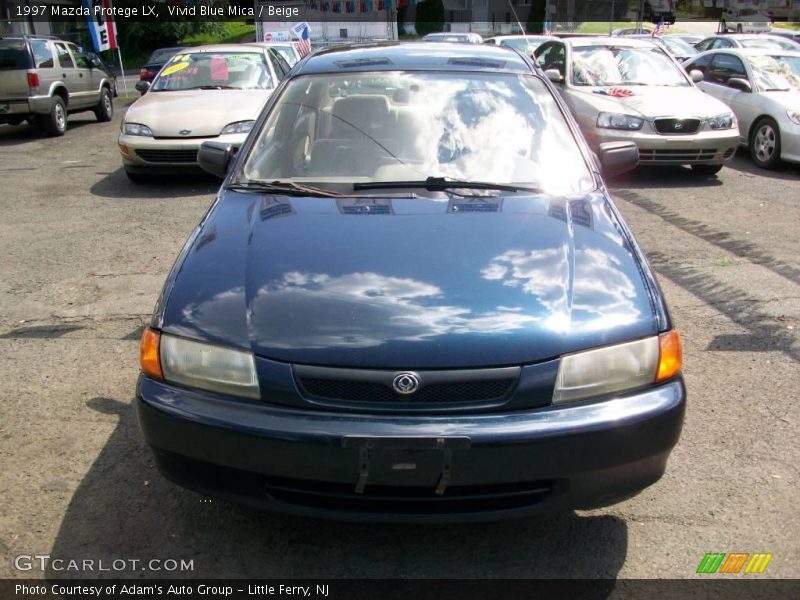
(146, 36)
(430, 17)
(536, 16)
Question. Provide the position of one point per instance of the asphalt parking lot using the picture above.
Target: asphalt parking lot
(85, 252)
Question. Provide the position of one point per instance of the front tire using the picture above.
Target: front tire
(707, 170)
(54, 123)
(765, 144)
(104, 111)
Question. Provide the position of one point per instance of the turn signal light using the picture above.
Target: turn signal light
(670, 355)
(149, 355)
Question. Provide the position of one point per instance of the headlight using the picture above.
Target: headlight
(199, 365)
(726, 121)
(136, 129)
(616, 368)
(238, 127)
(618, 121)
(794, 116)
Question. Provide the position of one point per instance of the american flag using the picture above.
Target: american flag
(659, 30)
(303, 33)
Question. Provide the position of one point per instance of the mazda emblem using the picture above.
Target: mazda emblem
(678, 126)
(405, 383)
(185, 131)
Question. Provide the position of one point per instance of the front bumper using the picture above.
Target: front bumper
(704, 148)
(142, 154)
(498, 466)
(790, 142)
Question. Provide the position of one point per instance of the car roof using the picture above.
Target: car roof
(608, 41)
(756, 52)
(218, 48)
(414, 56)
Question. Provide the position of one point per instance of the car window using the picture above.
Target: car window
(723, 67)
(280, 66)
(64, 58)
(701, 63)
(214, 70)
(13, 55)
(624, 65)
(705, 45)
(339, 129)
(80, 60)
(42, 54)
(287, 53)
(553, 57)
(761, 43)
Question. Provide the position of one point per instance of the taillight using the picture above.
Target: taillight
(145, 74)
(33, 79)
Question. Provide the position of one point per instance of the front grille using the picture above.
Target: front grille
(408, 499)
(677, 126)
(677, 156)
(368, 391)
(168, 156)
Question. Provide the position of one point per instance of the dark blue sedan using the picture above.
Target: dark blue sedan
(413, 299)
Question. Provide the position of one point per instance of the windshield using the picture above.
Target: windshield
(621, 65)
(762, 43)
(213, 70)
(776, 73)
(408, 126)
(521, 44)
(679, 47)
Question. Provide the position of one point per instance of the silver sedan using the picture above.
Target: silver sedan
(762, 87)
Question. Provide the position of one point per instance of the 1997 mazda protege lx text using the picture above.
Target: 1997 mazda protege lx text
(413, 299)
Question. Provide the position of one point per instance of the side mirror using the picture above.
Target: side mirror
(554, 75)
(618, 157)
(142, 86)
(696, 75)
(740, 84)
(215, 157)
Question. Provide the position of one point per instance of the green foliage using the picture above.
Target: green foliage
(401, 19)
(430, 17)
(143, 37)
(537, 16)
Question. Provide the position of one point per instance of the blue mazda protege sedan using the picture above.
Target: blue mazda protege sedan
(413, 299)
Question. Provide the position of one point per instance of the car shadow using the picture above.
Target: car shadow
(14, 135)
(743, 163)
(117, 185)
(662, 177)
(124, 509)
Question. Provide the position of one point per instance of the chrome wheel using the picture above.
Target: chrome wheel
(765, 143)
(107, 103)
(60, 116)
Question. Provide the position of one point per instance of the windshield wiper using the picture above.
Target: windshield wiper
(434, 184)
(287, 188)
(778, 90)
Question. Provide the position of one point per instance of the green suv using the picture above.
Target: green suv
(43, 79)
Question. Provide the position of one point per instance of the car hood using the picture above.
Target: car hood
(202, 112)
(653, 101)
(409, 283)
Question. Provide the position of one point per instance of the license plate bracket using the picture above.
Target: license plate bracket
(367, 445)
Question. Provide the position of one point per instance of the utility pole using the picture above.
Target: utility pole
(611, 20)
